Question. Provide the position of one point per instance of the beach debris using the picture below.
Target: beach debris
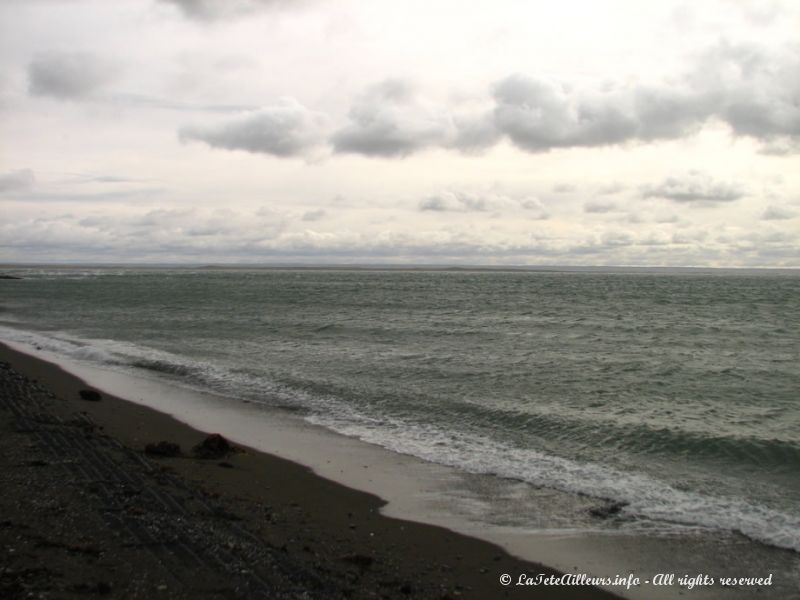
(607, 510)
(90, 395)
(214, 447)
(163, 448)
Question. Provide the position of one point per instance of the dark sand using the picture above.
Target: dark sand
(85, 512)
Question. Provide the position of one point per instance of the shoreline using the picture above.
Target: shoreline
(313, 519)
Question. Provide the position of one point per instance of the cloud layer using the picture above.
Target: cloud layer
(752, 91)
(266, 236)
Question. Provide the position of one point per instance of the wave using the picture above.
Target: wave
(645, 496)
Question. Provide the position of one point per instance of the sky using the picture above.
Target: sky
(489, 132)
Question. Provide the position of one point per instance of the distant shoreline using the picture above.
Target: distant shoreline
(466, 268)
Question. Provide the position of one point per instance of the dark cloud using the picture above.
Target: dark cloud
(285, 129)
(69, 75)
(777, 213)
(214, 10)
(694, 187)
(14, 181)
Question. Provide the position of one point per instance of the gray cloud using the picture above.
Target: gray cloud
(213, 10)
(777, 213)
(458, 201)
(390, 120)
(69, 75)
(611, 188)
(14, 181)
(473, 133)
(285, 129)
(754, 92)
(314, 215)
(599, 207)
(538, 116)
(751, 90)
(694, 187)
(564, 188)
(455, 202)
(757, 91)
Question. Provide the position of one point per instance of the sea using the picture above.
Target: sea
(668, 400)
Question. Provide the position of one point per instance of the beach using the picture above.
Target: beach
(87, 511)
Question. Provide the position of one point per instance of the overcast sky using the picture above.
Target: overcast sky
(591, 132)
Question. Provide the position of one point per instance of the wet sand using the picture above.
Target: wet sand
(86, 511)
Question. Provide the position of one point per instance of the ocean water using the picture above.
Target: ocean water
(675, 393)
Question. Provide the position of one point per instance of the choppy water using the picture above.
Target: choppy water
(678, 393)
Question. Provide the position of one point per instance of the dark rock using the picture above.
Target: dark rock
(225, 465)
(214, 447)
(9, 277)
(90, 395)
(607, 510)
(163, 448)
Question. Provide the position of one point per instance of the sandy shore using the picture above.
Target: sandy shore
(86, 511)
